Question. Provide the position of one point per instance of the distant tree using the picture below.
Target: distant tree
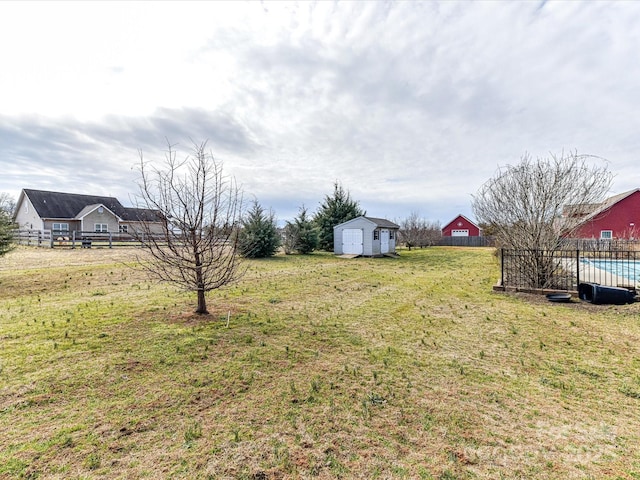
(531, 205)
(198, 208)
(289, 238)
(336, 208)
(7, 225)
(418, 232)
(487, 229)
(259, 236)
(301, 235)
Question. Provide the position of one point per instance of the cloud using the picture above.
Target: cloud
(410, 105)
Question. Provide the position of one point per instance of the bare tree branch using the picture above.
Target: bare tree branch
(532, 205)
(418, 232)
(192, 238)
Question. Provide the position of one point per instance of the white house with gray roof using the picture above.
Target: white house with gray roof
(65, 213)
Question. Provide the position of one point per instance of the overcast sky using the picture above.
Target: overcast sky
(410, 106)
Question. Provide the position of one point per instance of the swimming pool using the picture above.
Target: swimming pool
(628, 269)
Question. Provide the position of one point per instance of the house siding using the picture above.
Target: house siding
(74, 225)
(154, 228)
(106, 217)
(622, 218)
(26, 216)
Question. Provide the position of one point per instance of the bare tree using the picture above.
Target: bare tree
(532, 205)
(192, 239)
(418, 232)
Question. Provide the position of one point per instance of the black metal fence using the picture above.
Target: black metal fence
(566, 269)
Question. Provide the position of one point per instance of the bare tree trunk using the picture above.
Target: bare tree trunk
(202, 302)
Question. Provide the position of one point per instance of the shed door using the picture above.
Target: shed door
(459, 233)
(352, 241)
(384, 241)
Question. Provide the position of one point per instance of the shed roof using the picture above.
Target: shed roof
(382, 222)
(378, 222)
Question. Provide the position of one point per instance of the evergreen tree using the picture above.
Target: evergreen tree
(301, 235)
(7, 225)
(335, 209)
(259, 236)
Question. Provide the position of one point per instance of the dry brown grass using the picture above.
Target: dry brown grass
(329, 368)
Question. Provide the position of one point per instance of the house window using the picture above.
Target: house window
(391, 234)
(124, 228)
(606, 234)
(101, 228)
(60, 227)
(376, 234)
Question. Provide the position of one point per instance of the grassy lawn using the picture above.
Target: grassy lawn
(327, 368)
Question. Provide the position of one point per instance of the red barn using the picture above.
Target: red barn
(616, 217)
(461, 226)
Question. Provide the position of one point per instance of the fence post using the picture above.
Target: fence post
(502, 268)
(577, 267)
(51, 239)
(110, 240)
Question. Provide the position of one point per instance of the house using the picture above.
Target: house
(461, 226)
(368, 236)
(618, 217)
(66, 213)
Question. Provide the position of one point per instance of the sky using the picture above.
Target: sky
(410, 106)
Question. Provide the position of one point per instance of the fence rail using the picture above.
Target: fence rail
(39, 238)
(565, 269)
(75, 239)
(466, 241)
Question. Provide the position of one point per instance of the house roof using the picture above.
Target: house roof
(607, 204)
(460, 216)
(60, 205)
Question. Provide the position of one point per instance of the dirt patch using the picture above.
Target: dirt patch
(574, 303)
(216, 314)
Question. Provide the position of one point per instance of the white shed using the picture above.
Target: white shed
(368, 236)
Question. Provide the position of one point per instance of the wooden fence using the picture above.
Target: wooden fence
(75, 239)
(466, 241)
(37, 238)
